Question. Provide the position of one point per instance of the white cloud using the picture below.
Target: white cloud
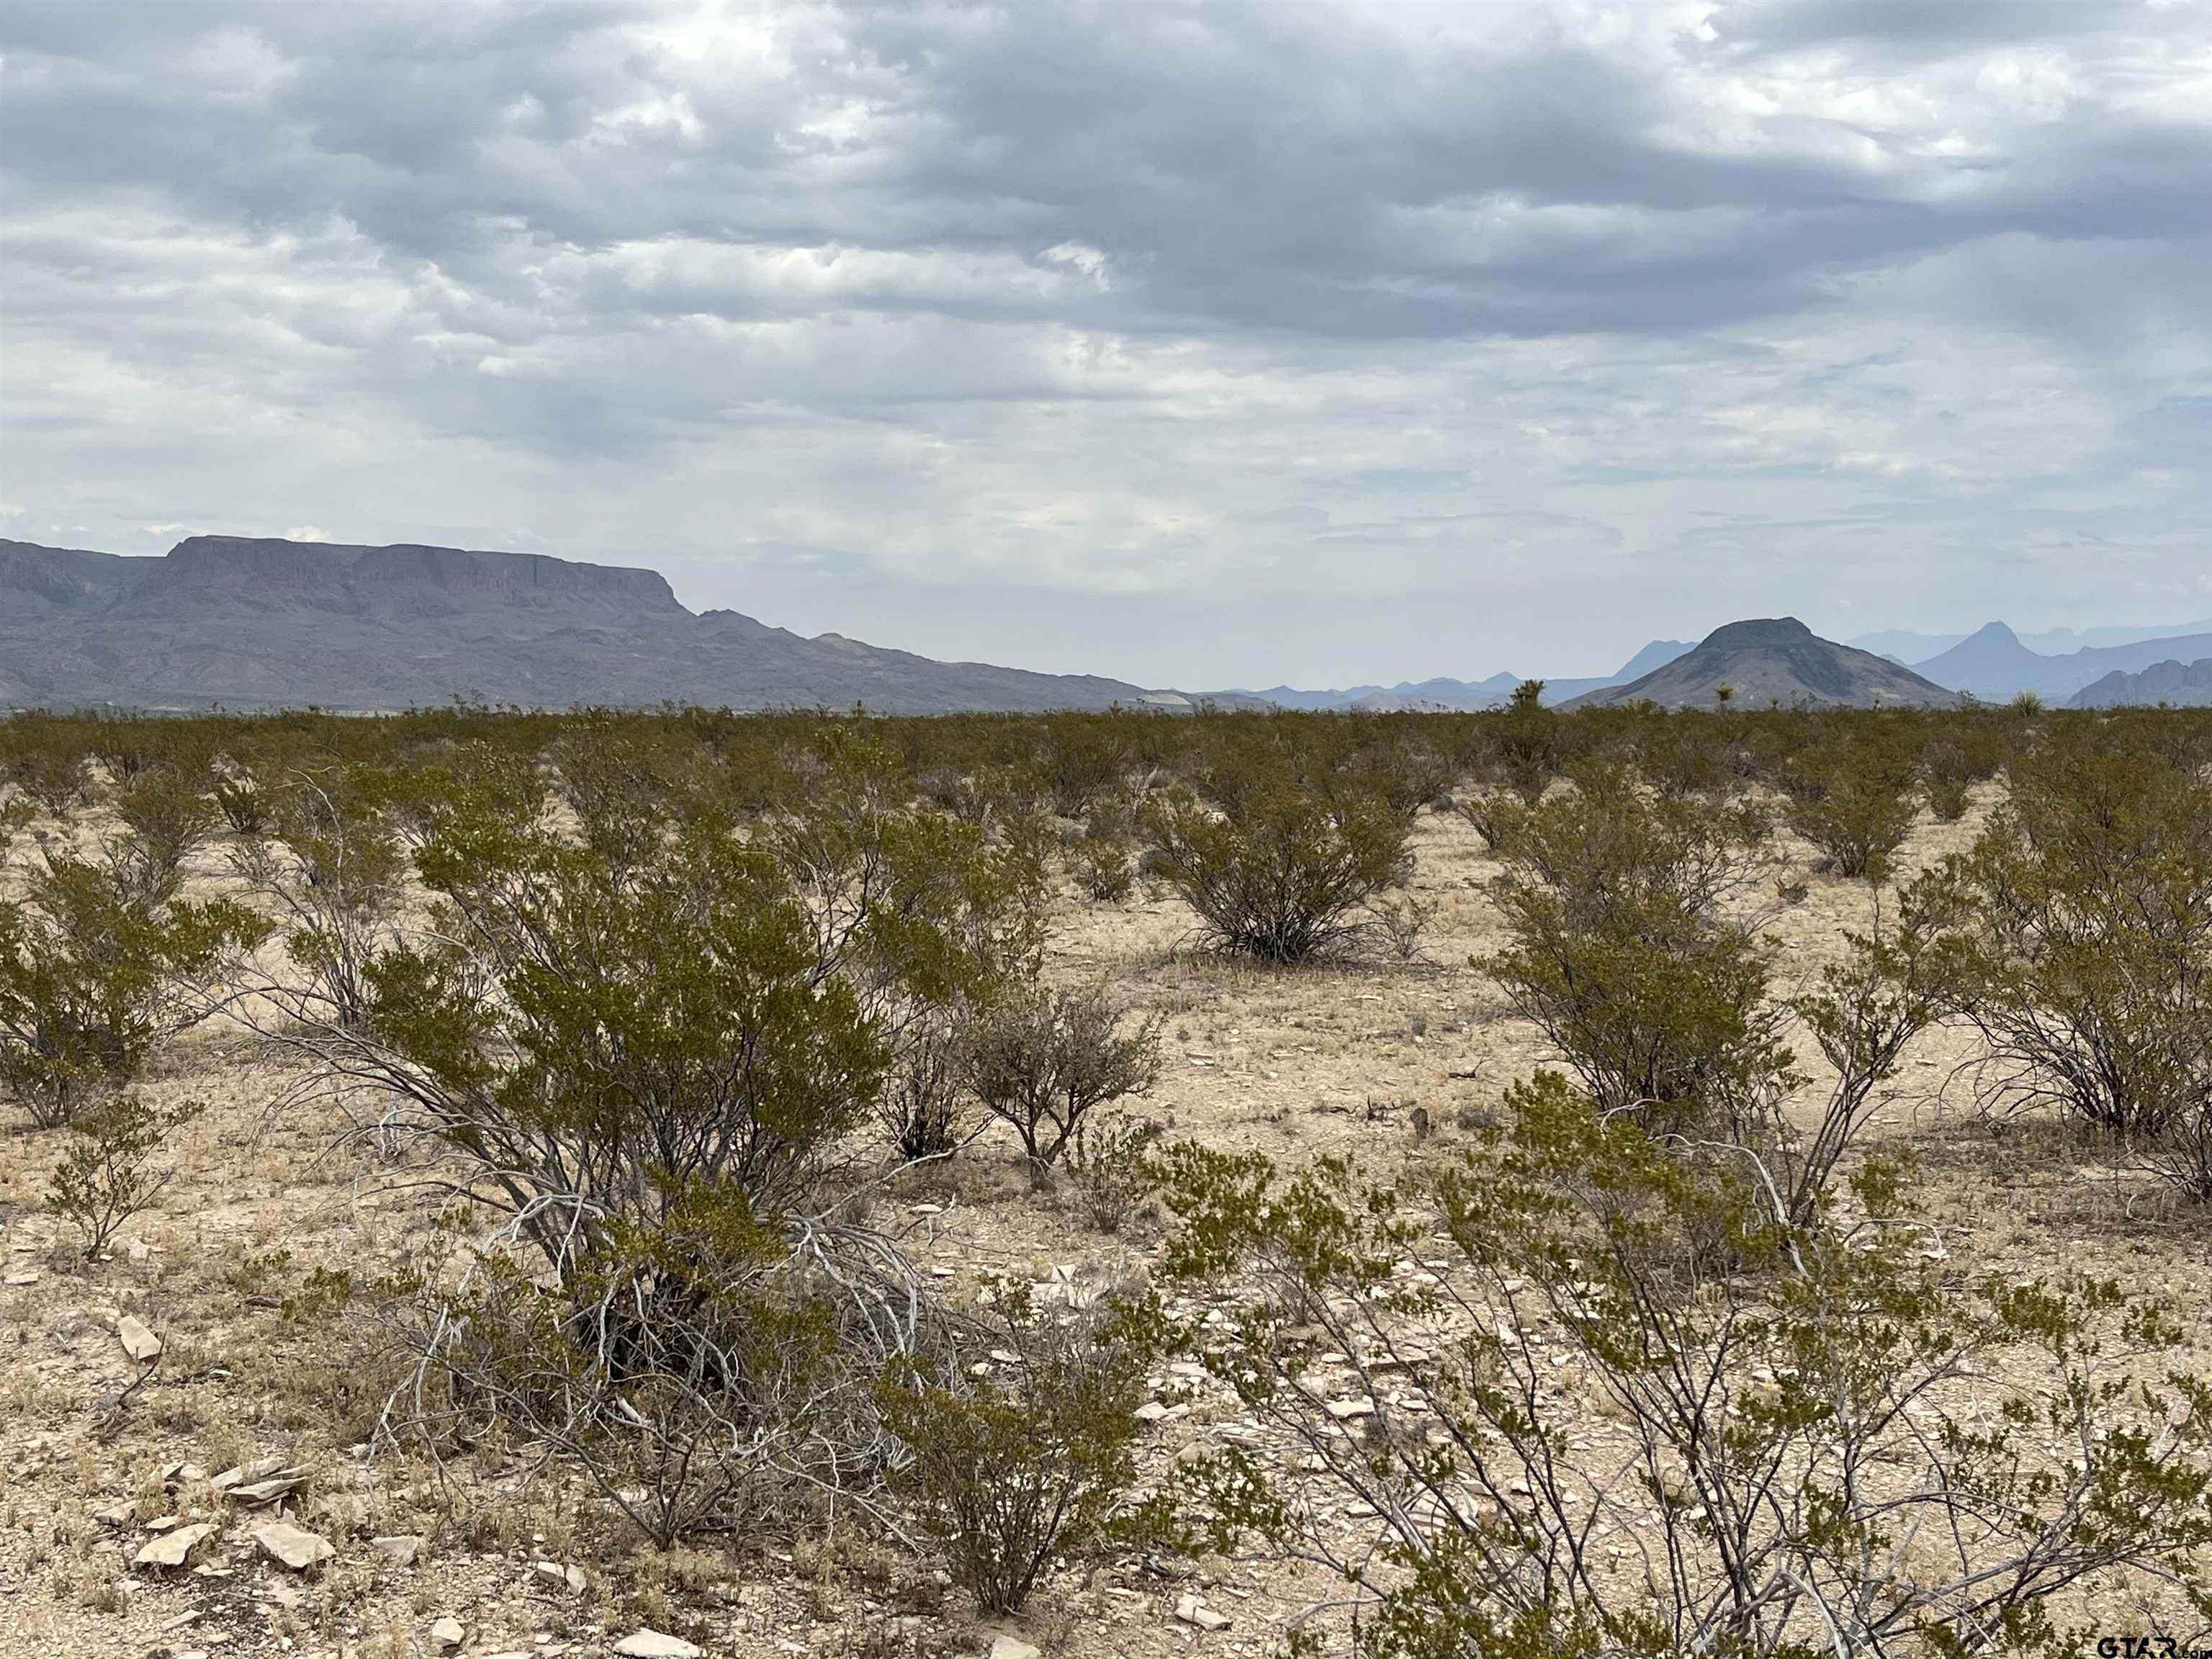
(1331, 341)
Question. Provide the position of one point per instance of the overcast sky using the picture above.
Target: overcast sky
(1198, 344)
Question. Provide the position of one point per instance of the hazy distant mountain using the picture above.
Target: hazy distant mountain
(1992, 664)
(1907, 647)
(2172, 681)
(1656, 655)
(1774, 661)
(1997, 665)
(268, 624)
(1460, 694)
(1406, 694)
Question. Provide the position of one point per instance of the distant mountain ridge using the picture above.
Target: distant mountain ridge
(2185, 685)
(1451, 693)
(1995, 665)
(1774, 661)
(1908, 647)
(255, 623)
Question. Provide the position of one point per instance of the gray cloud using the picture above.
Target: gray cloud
(1204, 341)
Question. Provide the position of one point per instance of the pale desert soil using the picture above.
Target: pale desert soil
(1291, 1063)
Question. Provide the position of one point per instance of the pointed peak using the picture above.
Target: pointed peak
(1997, 633)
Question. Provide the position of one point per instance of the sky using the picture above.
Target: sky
(1206, 343)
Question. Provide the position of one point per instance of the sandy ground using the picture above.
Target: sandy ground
(1291, 1063)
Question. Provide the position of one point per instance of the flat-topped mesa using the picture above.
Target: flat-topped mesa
(1758, 632)
(266, 573)
(257, 622)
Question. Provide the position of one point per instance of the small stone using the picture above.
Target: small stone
(570, 1576)
(1012, 1647)
(652, 1644)
(116, 1515)
(399, 1549)
(448, 1632)
(283, 1484)
(295, 1548)
(172, 1548)
(138, 1339)
(1192, 1610)
(1344, 1410)
(1151, 1412)
(24, 1276)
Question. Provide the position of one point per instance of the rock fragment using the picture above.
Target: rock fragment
(398, 1549)
(1192, 1612)
(652, 1645)
(172, 1548)
(296, 1549)
(138, 1339)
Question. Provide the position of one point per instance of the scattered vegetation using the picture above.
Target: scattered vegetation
(1799, 1471)
(1653, 1355)
(107, 1177)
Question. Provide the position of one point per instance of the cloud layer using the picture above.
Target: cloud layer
(1202, 343)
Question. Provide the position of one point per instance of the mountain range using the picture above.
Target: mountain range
(1449, 694)
(262, 623)
(1995, 665)
(1908, 647)
(2183, 684)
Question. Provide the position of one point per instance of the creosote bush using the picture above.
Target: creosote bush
(2091, 980)
(1802, 1468)
(1623, 949)
(1042, 1061)
(93, 973)
(168, 816)
(1276, 867)
(333, 866)
(635, 1058)
(106, 1177)
(1853, 799)
(1109, 1167)
(1027, 1460)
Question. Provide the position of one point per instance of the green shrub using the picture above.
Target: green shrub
(1085, 759)
(1109, 1167)
(1852, 798)
(92, 976)
(333, 868)
(588, 1028)
(2092, 895)
(169, 816)
(634, 1058)
(1530, 748)
(1278, 871)
(1025, 1464)
(106, 1177)
(1101, 862)
(1622, 950)
(46, 766)
(1826, 1443)
(1043, 1062)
